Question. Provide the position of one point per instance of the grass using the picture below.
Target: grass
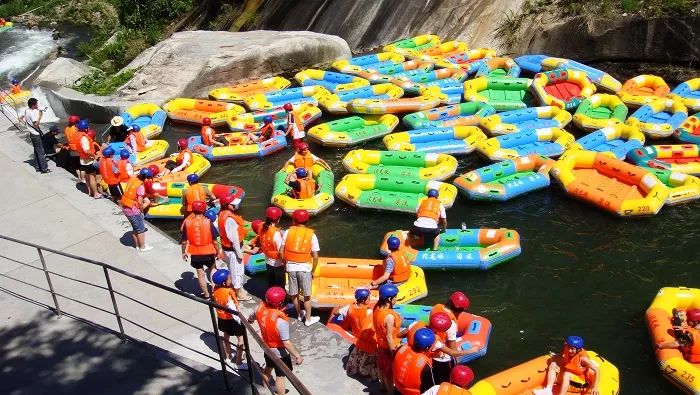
(103, 84)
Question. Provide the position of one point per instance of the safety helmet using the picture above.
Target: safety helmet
(192, 178)
(301, 172)
(300, 216)
(388, 291)
(433, 193)
(206, 121)
(145, 173)
(211, 214)
(124, 153)
(361, 294)
(288, 107)
(73, 119)
(117, 121)
(461, 376)
(267, 119)
(226, 200)
(256, 225)
(459, 300)
(154, 169)
(14, 81)
(199, 206)
(275, 295)
(273, 213)
(693, 315)
(393, 243)
(91, 134)
(575, 342)
(440, 322)
(182, 143)
(220, 276)
(136, 128)
(108, 151)
(423, 338)
(303, 146)
(83, 124)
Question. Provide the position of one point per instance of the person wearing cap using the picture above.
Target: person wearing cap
(117, 132)
(50, 142)
(572, 367)
(357, 319)
(181, 161)
(299, 250)
(269, 241)
(460, 378)
(88, 150)
(110, 173)
(687, 337)
(397, 266)
(304, 158)
(32, 118)
(195, 192)
(232, 232)
(295, 127)
(302, 183)
(133, 206)
(72, 136)
(199, 243)
(228, 323)
(412, 365)
(387, 330)
(274, 330)
(429, 213)
(209, 137)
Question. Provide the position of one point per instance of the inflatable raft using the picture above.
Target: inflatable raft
(475, 249)
(689, 131)
(683, 158)
(598, 77)
(154, 152)
(525, 119)
(336, 103)
(148, 116)
(199, 166)
(354, 130)
(498, 67)
(455, 140)
(336, 279)
(334, 82)
(306, 112)
(193, 111)
(172, 208)
(413, 44)
(562, 88)
(315, 205)
(363, 63)
(407, 104)
(238, 92)
(386, 73)
(440, 51)
(688, 93)
(6, 26)
(659, 118)
(462, 114)
(528, 376)
(234, 150)
(502, 93)
(611, 184)
(615, 141)
(469, 61)
(550, 142)
(600, 111)
(401, 164)
(448, 80)
(15, 99)
(390, 193)
(531, 63)
(659, 315)
(294, 96)
(682, 188)
(506, 180)
(643, 89)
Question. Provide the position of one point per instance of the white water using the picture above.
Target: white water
(21, 51)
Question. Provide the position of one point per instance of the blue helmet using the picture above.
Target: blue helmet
(14, 81)
(124, 153)
(388, 291)
(83, 124)
(108, 151)
(267, 119)
(192, 178)
(575, 342)
(423, 338)
(146, 173)
(220, 276)
(361, 294)
(136, 128)
(210, 214)
(301, 172)
(393, 243)
(433, 193)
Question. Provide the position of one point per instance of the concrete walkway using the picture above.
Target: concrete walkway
(48, 209)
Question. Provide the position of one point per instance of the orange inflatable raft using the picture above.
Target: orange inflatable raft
(193, 111)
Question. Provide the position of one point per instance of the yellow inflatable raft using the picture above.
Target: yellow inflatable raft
(682, 188)
(426, 101)
(15, 99)
(413, 44)
(236, 93)
(528, 118)
(148, 116)
(439, 52)
(563, 88)
(353, 130)
(659, 118)
(334, 82)
(361, 64)
(156, 151)
(550, 142)
(600, 111)
(314, 205)
(450, 140)
(295, 96)
(337, 103)
(199, 166)
(401, 164)
(643, 89)
(194, 110)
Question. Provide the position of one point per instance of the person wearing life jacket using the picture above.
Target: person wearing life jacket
(72, 139)
(387, 331)
(195, 192)
(295, 126)
(268, 129)
(304, 158)
(357, 319)
(15, 88)
(136, 140)
(110, 173)
(269, 242)
(182, 161)
(199, 243)
(124, 166)
(228, 323)
(455, 305)
(232, 232)
(573, 367)
(412, 365)
(87, 149)
(302, 183)
(209, 137)
(152, 196)
(274, 330)
(689, 342)
(430, 216)
(2, 22)
(397, 266)
(134, 205)
(460, 378)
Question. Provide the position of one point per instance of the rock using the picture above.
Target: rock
(63, 72)
(107, 64)
(189, 64)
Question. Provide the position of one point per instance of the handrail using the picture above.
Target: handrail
(300, 387)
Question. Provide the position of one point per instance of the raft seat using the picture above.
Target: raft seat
(601, 112)
(563, 90)
(593, 183)
(504, 95)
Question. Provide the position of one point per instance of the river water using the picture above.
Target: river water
(581, 272)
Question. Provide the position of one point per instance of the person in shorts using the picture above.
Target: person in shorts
(199, 243)
(133, 204)
(229, 324)
(430, 217)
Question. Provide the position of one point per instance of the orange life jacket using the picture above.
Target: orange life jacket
(223, 216)
(267, 243)
(207, 135)
(408, 365)
(15, 89)
(86, 154)
(267, 320)
(72, 137)
(221, 295)
(362, 328)
(297, 246)
(430, 208)
(123, 172)
(267, 131)
(293, 119)
(129, 198)
(181, 156)
(378, 317)
(194, 193)
(305, 161)
(106, 171)
(439, 336)
(573, 364)
(140, 140)
(200, 241)
(402, 267)
(451, 389)
(307, 190)
(692, 352)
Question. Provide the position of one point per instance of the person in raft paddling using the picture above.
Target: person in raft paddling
(413, 367)
(182, 161)
(573, 367)
(430, 217)
(304, 158)
(110, 174)
(269, 241)
(295, 127)
(195, 192)
(198, 242)
(228, 323)
(136, 140)
(302, 184)
(133, 206)
(687, 337)
(387, 329)
(357, 319)
(232, 232)
(209, 136)
(397, 267)
(274, 330)
(460, 378)
(15, 87)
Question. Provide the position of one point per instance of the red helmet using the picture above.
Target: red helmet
(73, 119)
(275, 295)
(300, 216)
(440, 322)
(459, 300)
(206, 121)
(226, 200)
(182, 143)
(256, 225)
(288, 107)
(199, 207)
(693, 315)
(273, 213)
(303, 146)
(461, 376)
(91, 133)
(154, 169)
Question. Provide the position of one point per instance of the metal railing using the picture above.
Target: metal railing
(120, 318)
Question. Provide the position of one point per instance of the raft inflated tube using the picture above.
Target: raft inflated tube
(615, 141)
(238, 92)
(148, 116)
(360, 64)
(683, 158)
(499, 67)
(401, 164)
(462, 114)
(643, 89)
(173, 209)
(531, 63)
(411, 104)
(336, 103)
(436, 53)
(600, 111)
(276, 143)
(294, 96)
(334, 82)
(155, 151)
(562, 88)
(354, 130)
(682, 188)
(413, 44)
(689, 131)
(314, 205)
(456, 140)
(659, 118)
(688, 93)
(611, 184)
(550, 142)
(15, 99)
(384, 74)
(6, 26)
(469, 61)
(506, 180)
(502, 93)
(199, 165)
(599, 77)
(249, 122)
(528, 118)
(194, 110)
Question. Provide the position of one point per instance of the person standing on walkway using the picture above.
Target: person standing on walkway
(87, 148)
(270, 241)
(358, 320)
(198, 242)
(32, 118)
(413, 367)
(72, 139)
(125, 168)
(133, 205)
(300, 252)
(229, 324)
(387, 329)
(274, 330)
(110, 173)
(232, 232)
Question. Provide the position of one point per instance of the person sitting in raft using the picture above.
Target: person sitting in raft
(460, 378)
(687, 337)
(153, 197)
(268, 129)
(357, 319)
(387, 327)
(412, 366)
(397, 266)
(15, 88)
(195, 192)
(304, 158)
(572, 367)
(117, 132)
(136, 140)
(302, 184)
(428, 214)
(209, 137)
(182, 160)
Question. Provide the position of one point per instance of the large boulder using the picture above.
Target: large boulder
(189, 64)
(62, 72)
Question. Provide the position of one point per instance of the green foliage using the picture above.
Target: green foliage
(123, 49)
(100, 83)
(18, 7)
(139, 14)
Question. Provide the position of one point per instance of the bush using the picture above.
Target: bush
(100, 83)
(139, 14)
